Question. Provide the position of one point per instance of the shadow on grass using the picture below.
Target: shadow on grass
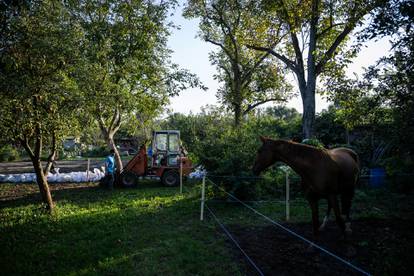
(128, 237)
(81, 193)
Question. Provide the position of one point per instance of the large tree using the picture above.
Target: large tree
(249, 78)
(311, 38)
(38, 96)
(127, 71)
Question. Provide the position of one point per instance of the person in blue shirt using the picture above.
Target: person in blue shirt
(110, 169)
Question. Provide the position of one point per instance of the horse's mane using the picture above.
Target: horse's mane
(298, 149)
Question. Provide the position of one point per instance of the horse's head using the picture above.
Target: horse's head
(264, 157)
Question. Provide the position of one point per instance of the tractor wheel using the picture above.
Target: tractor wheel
(129, 179)
(170, 178)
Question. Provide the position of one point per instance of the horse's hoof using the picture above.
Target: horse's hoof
(323, 225)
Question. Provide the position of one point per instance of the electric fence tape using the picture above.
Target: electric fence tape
(235, 242)
(293, 233)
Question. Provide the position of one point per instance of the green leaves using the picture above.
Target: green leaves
(249, 78)
(39, 50)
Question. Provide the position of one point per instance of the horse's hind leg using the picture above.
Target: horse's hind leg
(334, 203)
(346, 201)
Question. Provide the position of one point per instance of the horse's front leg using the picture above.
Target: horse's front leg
(326, 218)
(333, 201)
(313, 202)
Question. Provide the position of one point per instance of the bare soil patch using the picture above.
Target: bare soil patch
(378, 246)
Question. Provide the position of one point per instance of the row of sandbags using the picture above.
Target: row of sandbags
(92, 176)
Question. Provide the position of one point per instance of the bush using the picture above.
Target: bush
(228, 152)
(313, 142)
(8, 153)
(96, 152)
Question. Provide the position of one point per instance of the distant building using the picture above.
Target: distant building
(127, 146)
(71, 143)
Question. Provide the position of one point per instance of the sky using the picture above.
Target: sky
(191, 53)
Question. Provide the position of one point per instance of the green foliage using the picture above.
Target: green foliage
(39, 51)
(96, 152)
(313, 142)
(328, 129)
(126, 71)
(395, 165)
(9, 153)
(225, 151)
(249, 78)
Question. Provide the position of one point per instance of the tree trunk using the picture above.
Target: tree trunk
(37, 165)
(42, 183)
(308, 117)
(108, 133)
(237, 95)
(52, 156)
(237, 115)
(117, 156)
(347, 136)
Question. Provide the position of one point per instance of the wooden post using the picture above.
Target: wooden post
(181, 175)
(203, 190)
(287, 196)
(87, 170)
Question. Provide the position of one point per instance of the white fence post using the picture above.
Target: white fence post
(287, 195)
(87, 170)
(181, 175)
(203, 191)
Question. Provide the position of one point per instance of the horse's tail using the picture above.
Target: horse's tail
(355, 156)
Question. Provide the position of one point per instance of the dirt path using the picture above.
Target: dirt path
(379, 246)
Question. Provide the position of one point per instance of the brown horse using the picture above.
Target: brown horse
(325, 174)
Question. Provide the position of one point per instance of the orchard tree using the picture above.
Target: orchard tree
(311, 40)
(385, 93)
(394, 74)
(126, 70)
(249, 78)
(38, 96)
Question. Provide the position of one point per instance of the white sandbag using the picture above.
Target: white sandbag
(51, 177)
(63, 177)
(29, 177)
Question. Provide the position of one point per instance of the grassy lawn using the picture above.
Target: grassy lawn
(150, 230)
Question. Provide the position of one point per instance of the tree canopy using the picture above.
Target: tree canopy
(309, 37)
(38, 53)
(249, 78)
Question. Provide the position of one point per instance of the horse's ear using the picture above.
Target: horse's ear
(263, 139)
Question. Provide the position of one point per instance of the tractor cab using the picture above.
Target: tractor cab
(165, 148)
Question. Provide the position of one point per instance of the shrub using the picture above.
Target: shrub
(96, 152)
(8, 153)
(313, 142)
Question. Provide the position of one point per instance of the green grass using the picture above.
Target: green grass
(151, 230)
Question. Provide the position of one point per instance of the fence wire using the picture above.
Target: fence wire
(345, 262)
